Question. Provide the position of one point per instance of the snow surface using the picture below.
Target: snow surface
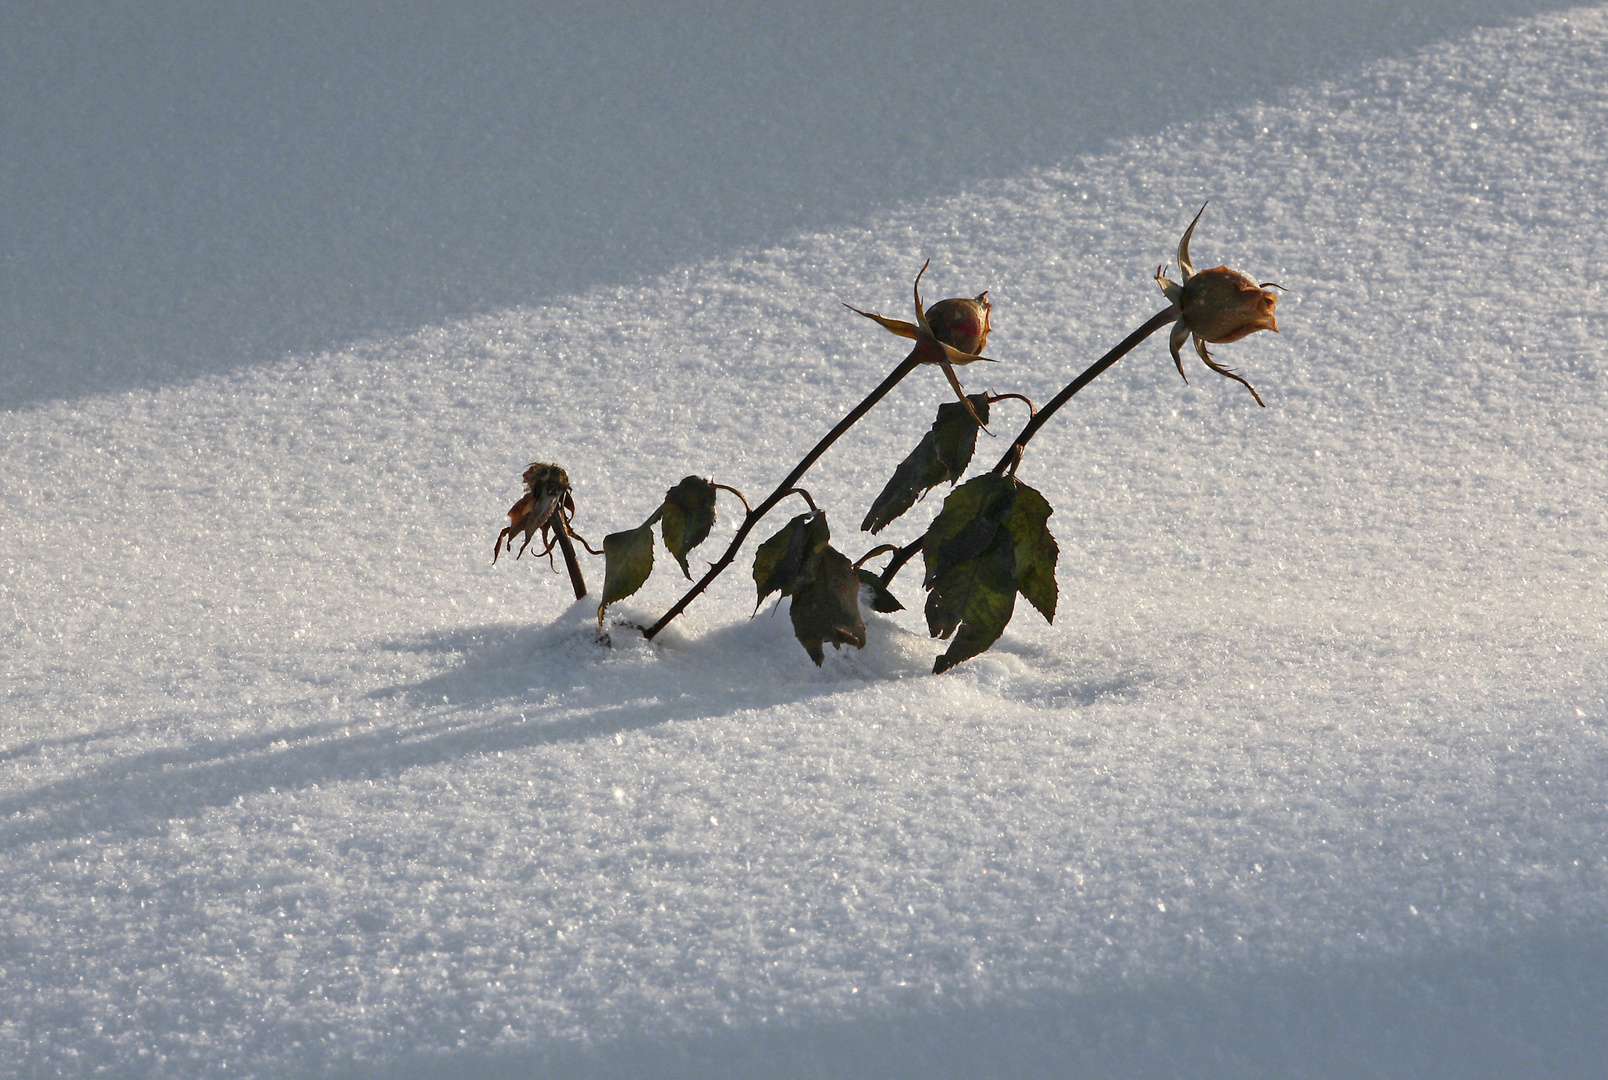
(1308, 779)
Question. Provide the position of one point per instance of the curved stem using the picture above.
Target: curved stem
(1013, 456)
(727, 487)
(1032, 409)
(880, 549)
(902, 556)
(801, 493)
(906, 366)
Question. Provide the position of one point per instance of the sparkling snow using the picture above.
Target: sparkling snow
(1308, 779)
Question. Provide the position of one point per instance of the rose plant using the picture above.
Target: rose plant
(990, 541)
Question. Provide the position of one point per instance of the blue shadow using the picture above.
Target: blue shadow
(188, 188)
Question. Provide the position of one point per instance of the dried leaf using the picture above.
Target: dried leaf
(781, 563)
(991, 541)
(627, 562)
(967, 524)
(689, 514)
(877, 594)
(973, 600)
(1036, 550)
(943, 454)
(826, 606)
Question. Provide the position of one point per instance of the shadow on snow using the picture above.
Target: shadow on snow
(191, 189)
(1530, 1006)
(513, 688)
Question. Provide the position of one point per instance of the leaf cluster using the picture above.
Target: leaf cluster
(800, 562)
(990, 542)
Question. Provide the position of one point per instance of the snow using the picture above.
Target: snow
(1309, 778)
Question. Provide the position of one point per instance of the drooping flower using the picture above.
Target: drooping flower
(547, 492)
(951, 333)
(1217, 306)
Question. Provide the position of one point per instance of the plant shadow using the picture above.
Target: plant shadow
(512, 688)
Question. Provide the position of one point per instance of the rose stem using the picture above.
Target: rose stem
(1165, 316)
(570, 562)
(751, 519)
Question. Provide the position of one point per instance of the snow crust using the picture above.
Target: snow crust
(1309, 778)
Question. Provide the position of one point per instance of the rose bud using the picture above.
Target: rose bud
(961, 324)
(1222, 305)
(1218, 306)
(949, 334)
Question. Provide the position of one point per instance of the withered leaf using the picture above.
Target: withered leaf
(967, 524)
(990, 541)
(943, 454)
(689, 514)
(881, 599)
(973, 600)
(1035, 549)
(781, 563)
(627, 562)
(826, 605)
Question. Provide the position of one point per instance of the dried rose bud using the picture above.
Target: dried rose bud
(1217, 306)
(950, 334)
(1222, 305)
(961, 324)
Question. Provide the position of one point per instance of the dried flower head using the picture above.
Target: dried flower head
(951, 333)
(547, 492)
(962, 324)
(1217, 306)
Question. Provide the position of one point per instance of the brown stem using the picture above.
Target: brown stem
(577, 582)
(1032, 409)
(880, 549)
(734, 491)
(902, 556)
(1013, 456)
(906, 366)
(1164, 317)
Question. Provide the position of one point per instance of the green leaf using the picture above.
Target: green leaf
(627, 562)
(689, 514)
(967, 524)
(973, 600)
(826, 607)
(955, 433)
(990, 541)
(881, 599)
(781, 563)
(943, 454)
(1036, 550)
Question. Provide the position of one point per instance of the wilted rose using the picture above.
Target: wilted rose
(1222, 305)
(547, 495)
(1217, 306)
